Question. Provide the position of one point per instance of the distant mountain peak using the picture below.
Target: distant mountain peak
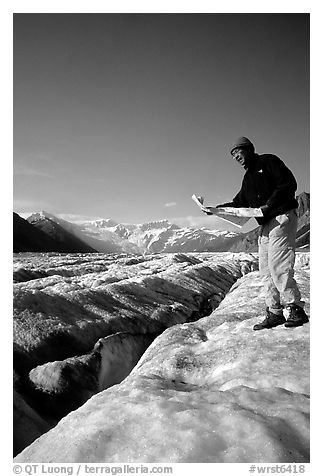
(40, 233)
(157, 224)
(41, 215)
(104, 223)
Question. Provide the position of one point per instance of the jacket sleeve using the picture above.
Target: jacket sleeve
(285, 184)
(237, 202)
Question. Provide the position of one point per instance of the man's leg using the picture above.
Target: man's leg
(281, 259)
(272, 296)
(274, 309)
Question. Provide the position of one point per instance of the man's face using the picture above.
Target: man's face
(241, 156)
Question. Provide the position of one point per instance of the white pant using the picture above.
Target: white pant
(276, 261)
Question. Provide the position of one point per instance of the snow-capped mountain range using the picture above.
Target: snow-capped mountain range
(107, 236)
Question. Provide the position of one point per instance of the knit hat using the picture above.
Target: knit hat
(242, 142)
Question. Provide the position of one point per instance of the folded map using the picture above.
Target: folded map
(235, 216)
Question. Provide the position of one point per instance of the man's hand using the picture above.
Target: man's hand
(207, 210)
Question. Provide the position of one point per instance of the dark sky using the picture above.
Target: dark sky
(126, 115)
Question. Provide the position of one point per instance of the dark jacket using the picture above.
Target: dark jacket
(267, 184)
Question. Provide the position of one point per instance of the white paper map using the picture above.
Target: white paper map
(235, 216)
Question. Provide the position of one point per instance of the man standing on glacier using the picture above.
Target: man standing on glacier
(269, 185)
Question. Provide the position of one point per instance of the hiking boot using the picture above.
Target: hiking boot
(272, 320)
(295, 316)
